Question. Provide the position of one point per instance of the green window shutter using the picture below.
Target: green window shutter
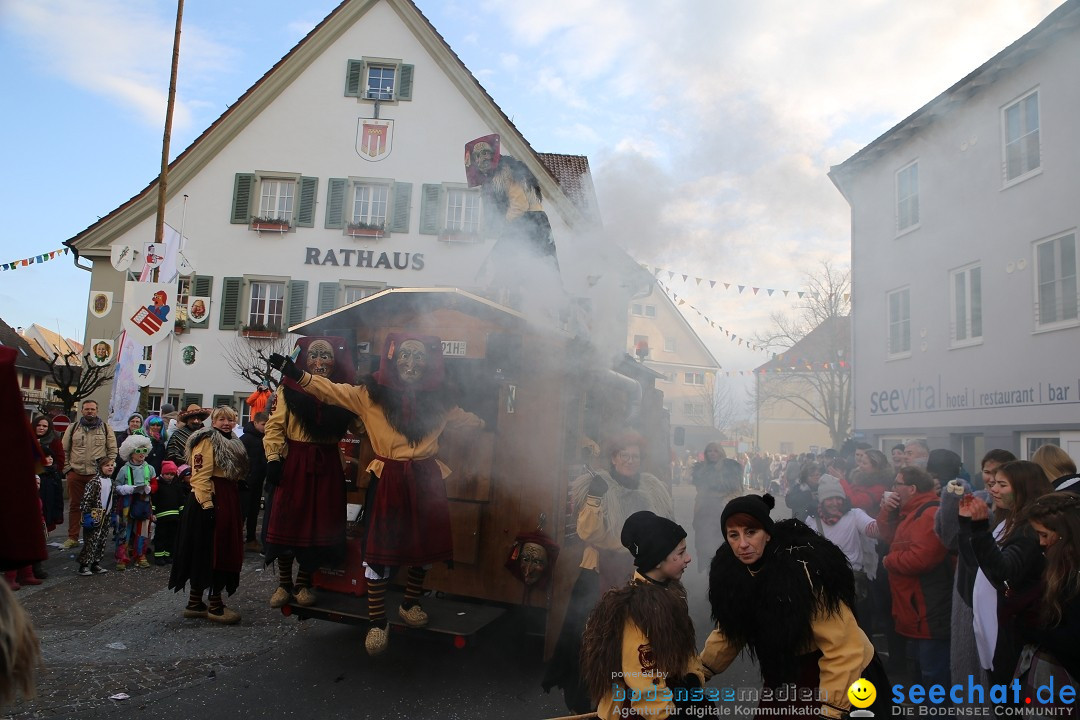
(224, 400)
(305, 211)
(230, 303)
(430, 208)
(405, 82)
(243, 188)
(297, 301)
(335, 202)
(354, 78)
(189, 399)
(399, 222)
(328, 293)
(201, 286)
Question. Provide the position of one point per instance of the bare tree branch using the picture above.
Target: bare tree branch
(818, 382)
(249, 358)
(76, 381)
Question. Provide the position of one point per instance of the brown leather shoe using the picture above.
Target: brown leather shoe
(280, 598)
(226, 617)
(306, 597)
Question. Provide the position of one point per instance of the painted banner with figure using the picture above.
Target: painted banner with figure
(148, 311)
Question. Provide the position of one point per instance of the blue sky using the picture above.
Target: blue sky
(710, 124)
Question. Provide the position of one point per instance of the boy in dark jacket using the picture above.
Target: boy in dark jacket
(251, 497)
(168, 495)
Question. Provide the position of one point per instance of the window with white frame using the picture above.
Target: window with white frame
(379, 78)
(379, 83)
(694, 378)
(1034, 442)
(650, 311)
(694, 409)
(907, 197)
(899, 302)
(1020, 127)
(635, 309)
(266, 306)
(462, 210)
(1056, 269)
(369, 204)
(353, 293)
(966, 305)
(669, 345)
(277, 197)
(153, 402)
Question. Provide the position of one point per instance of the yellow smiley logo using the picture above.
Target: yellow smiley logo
(862, 693)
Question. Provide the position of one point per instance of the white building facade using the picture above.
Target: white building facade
(356, 139)
(964, 258)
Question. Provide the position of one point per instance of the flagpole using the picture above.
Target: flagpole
(159, 230)
(172, 333)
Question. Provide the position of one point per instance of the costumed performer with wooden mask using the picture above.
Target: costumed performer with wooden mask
(404, 407)
(306, 518)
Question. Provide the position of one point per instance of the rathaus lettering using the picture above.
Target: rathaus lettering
(349, 257)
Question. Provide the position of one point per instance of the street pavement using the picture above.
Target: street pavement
(122, 634)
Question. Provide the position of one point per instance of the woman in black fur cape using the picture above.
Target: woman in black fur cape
(784, 594)
(305, 518)
(405, 408)
(638, 651)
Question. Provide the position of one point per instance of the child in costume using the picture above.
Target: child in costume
(638, 653)
(132, 509)
(96, 506)
(168, 495)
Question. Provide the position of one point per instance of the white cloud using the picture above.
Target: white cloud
(119, 49)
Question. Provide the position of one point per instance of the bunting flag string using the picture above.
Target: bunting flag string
(799, 367)
(740, 288)
(784, 362)
(733, 337)
(36, 259)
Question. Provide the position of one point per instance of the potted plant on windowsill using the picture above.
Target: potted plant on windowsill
(261, 330)
(363, 229)
(269, 224)
(452, 236)
(180, 327)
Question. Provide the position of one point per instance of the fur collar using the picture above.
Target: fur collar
(769, 613)
(416, 415)
(229, 453)
(659, 611)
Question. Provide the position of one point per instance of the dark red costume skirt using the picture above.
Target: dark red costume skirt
(407, 517)
(309, 504)
(210, 551)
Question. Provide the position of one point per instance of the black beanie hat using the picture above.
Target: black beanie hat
(756, 506)
(650, 538)
(943, 464)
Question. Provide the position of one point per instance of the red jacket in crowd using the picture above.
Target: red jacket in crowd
(920, 569)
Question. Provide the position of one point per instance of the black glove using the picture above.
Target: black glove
(286, 366)
(598, 486)
(273, 473)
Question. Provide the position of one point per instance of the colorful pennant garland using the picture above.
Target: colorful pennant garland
(25, 262)
(738, 288)
(740, 341)
(788, 362)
